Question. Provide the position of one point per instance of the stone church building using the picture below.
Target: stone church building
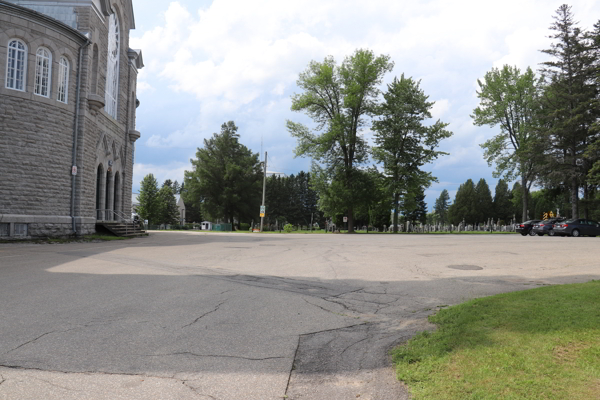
(67, 115)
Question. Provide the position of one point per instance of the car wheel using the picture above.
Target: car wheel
(531, 233)
(551, 233)
(575, 233)
(523, 234)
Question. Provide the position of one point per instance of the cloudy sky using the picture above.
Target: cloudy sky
(208, 62)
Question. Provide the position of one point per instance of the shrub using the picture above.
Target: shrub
(244, 226)
(288, 228)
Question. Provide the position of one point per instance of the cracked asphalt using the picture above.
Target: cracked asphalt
(191, 315)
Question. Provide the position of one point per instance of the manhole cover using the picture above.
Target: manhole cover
(465, 267)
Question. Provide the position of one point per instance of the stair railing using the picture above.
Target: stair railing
(117, 216)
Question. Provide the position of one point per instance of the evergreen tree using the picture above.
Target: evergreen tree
(148, 199)
(416, 209)
(503, 207)
(570, 108)
(441, 207)
(485, 204)
(227, 177)
(176, 187)
(168, 212)
(464, 207)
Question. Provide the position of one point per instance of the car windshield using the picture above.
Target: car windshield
(571, 221)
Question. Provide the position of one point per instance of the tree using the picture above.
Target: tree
(226, 177)
(485, 204)
(168, 212)
(570, 97)
(404, 143)
(176, 187)
(441, 207)
(415, 208)
(148, 198)
(509, 99)
(193, 204)
(168, 183)
(338, 99)
(503, 208)
(464, 207)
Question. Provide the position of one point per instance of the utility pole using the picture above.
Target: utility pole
(262, 208)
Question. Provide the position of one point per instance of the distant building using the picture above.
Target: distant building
(68, 84)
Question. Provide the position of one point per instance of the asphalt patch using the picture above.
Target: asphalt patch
(465, 267)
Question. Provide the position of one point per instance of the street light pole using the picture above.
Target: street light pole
(263, 199)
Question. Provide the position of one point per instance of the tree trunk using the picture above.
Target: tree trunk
(395, 221)
(586, 196)
(525, 198)
(574, 198)
(351, 219)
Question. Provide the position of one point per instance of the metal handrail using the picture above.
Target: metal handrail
(117, 216)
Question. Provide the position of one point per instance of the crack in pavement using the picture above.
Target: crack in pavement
(183, 353)
(195, 390)
(31, 341)
(204, 315)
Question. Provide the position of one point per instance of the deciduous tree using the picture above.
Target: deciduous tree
(404, 143)
(338, 98)
(509, 99)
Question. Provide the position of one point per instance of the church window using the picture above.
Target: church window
(16, 65)
(112, 66)
(43, 61)
(63, 80)
(20, 229)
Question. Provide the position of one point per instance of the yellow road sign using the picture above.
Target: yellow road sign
(262, 215)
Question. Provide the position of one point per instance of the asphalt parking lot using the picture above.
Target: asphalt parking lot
(190, 315)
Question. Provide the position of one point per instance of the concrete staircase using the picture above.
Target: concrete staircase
(122, 229)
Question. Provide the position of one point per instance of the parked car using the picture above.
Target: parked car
(525, 228)
(545, 227)
(577, 227)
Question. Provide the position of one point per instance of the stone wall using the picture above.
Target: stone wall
(36, 133)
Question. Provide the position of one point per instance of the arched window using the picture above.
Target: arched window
(112, 66)
(43, 61)
(16, 65)
(63, 80)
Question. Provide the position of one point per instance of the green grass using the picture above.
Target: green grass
(537, 344)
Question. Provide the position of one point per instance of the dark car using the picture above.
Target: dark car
(525, 228)
(577, 227)
(546, 226)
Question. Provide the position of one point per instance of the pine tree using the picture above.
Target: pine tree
(441, 207)
(168, 212)
(148, 199)
(227, 177)
(485, 204)
(464, 207)
(569, 103)
(503, 208)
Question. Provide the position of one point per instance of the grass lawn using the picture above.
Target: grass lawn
(537, 344)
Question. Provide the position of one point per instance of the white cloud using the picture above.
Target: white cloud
(440, 108)
(173, 171)
(239, 60)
